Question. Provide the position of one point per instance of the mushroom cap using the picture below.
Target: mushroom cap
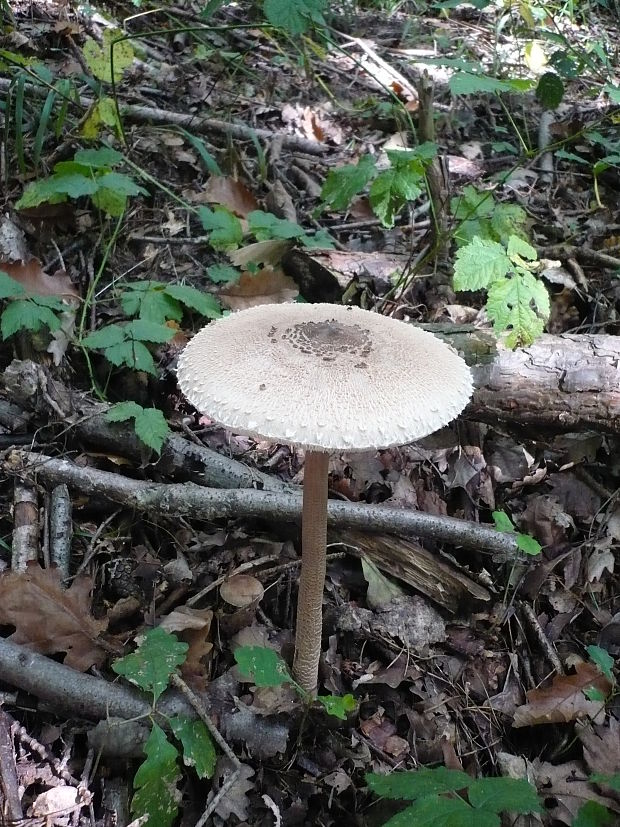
(323, 376)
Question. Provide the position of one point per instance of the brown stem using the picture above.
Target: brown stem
(312, 580)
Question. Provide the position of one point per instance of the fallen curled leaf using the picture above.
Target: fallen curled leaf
(36, 282)
(564, 700)
(266, 287)
(50, 619)
(230, 193)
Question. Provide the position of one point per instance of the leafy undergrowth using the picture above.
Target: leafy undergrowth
(165, 165)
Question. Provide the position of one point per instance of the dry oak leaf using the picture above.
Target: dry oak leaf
(50, 619)
(564, 699)
(266, 287)
(230, 193)
(36, 282)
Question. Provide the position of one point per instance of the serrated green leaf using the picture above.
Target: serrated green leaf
(66, 168)
(519, 304)
(111, 334)
(465, 83)
(518, 247)
(122, 411)
(295, 16)
(40, 192)
(503, 522)
(344, 183)
(75, 185)
(223, 273)
(120, 183)
(25, 314)
(412, 784)
(110, 202)
(528, 544)
(508, 220)
(99, 60)
(550, 90)
(473, 203)
(198, 748)
(593, 814)
(133, 354)
(156, 782)
(204, 303)
(98, 158)
(434, 811)
(144, 330)
(479, 264)
(224, 227)
(262, 666)
(266, 225)
(9, 288)
(157, 656)
(338, 705)
(603, 660)
(499, 794)
(151, 303)
(152, 428)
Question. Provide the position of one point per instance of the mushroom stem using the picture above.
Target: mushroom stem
(312, 580)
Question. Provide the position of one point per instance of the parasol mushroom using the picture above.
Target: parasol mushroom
(322, 377)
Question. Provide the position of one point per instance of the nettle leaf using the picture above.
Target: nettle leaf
(143, 330)
(519, 304)
(412, 784)
(593, 814)
(223, 274)
(156, 781)
(204, 303)
(344, 183)
(296, 16)
(225, 228)
(603, 660)
(198, 748)
(99, 158)
(111, 334)
(157, 656)
(262, 666)
(9, 288)
(473, 203)
(338, 705)
(26, 314)
(500, 794)
(479, 264)
(266, 225)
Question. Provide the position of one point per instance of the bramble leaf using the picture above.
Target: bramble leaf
(26, 314)
(344, 183)
(204, 303)
(224, 227)
(499, 794)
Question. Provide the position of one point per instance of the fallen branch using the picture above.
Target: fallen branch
(189, 499)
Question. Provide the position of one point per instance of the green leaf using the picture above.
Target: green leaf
(120, 183)
(320, 240)
(592, 693)
(613, 92)
(266, 225)
(503, 522)
(26, 314)
(344, 183)
(338, 705)
(612, 781)
(412, 784)
(224, 227)
(223, 273)
(434, 811)
(152, 428)
(593, 814)
(75, 185)
(9, 288)
(150, 301)
(198, 748)
(518, 248)
(508, 220)
(144, 330)
(295, 16)
(99, 60)
(386, 198)
(550, 90)
(262, 666)
(465, 83)
(479, 264)
(110, 202)
(135, 355)
(519, 304)
(111, 334)
(528, 544)
(98, 158)
(500, 794)
(122, 411)
(157, 656)
(156, 782)
(40, 192)
(200, 147)
(204, 303)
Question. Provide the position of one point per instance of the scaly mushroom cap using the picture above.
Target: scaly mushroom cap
(323, 376)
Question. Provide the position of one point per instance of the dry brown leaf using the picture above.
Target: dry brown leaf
(566, 788)
(193, 626)
(50, 619)
(37, 283)
(270, 252)
(230, 193)
(266, 287)
(601, 745)
(564, 700)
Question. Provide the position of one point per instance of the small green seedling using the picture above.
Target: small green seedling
(525, 542)
(451, 798)
(156, 792)
(264, 667)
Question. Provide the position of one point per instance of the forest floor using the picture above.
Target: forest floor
(196, 173)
